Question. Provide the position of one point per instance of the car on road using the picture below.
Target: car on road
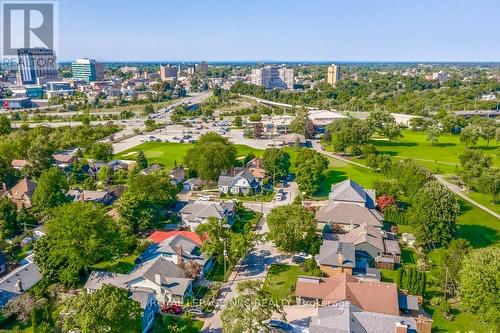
(172, 309)
(197, 312)
(280, 196)
(299, 258)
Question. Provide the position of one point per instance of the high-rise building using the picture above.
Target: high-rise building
(333, 74)
(203, 68)
(190, 69)
(87, 70)
(36, 65)
(271, 77)
(168, 72)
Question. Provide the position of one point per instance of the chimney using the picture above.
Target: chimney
(19, 286)
(401, 328)
(341, 259)
(4, 186)
(424, 324)
(178, 252)
(158, 279)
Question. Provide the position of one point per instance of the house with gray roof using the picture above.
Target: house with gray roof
(197, 212)
(345, 317)
(179, 250)
(19, 280)
(348, 216)
(165, 278)
(336, 257)
(241, 182)
(351, 192)
(99, 196)
(149, 305)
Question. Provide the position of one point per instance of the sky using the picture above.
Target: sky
(280, 30)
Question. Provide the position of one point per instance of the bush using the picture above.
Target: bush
(436, 301)
(445, 307)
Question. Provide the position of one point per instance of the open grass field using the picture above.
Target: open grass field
(281, 280)
(169, 153)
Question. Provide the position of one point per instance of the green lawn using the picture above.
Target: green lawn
(217, 273)
(170, 323)
(414, 145)
(170, 153)
(281, 280)
(123, 265)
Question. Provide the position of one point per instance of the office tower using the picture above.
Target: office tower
(168, 72)
(190, 69)
(271, 77)
(333, 74)
(203, 68)
(87, 70)
(36, 65)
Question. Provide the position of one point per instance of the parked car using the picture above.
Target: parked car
(279, 326)
(197, 312)
(299, 258)
(172, 309)
(279, 196)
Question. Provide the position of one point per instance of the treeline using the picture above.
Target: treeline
(410, 279)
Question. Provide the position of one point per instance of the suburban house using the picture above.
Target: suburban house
(256, 168)
(349, 206)
(179, 249)
(65, 158)
(336, 257)
(22, 193)
(19, 280)
(371, 243)
(242, 182)
(100, 196)
(347, 317)
(151, 169)
(147, 300)
(159, 236)
(290, 139)
(193, 184)
(162, 276)
(197, 212)
(18, 164)
(178, 175)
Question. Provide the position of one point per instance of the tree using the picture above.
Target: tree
(249, 311)
(411, 176)
(451, 122)
(470, 135)
(148, 108)
(488, 129)
(392, 131)
(276, 162)
(101, 151)
(474, 162)
(211, 155)
(489, 182)
(110, 309)
(433, 213)
(410, 279)
(255, 117)
(433, 133)
(349, 134)
(384, 123)
(105, 175)
(143, 204)
(5, 127)
(300, 230)
(51, 189)
(7, 173)
(39, 158)
(79, 235)
(141, 161)
(302, 124)
(388, 187)
(238, 122)
(451, 264)
(480, 284)
(8, 218)
(385, 201)
(258, 130)
(310, 166)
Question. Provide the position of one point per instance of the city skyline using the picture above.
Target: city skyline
(387, 31)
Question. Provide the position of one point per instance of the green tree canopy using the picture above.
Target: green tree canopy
(8, 218)
(302, 124)
(349, 134)
(480, 284)
(211, 155)
(147, 197)
(291, 227)
(5, 127)
(451, 264)
(276, 162)
(78, 235)
(101, 151)
(434, 212)
(141, 160)
(51, 189)
(110, 309)
(310, 166)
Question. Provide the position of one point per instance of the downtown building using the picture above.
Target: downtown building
(168, 72)
(202, 68)
(36, 66)
(87, 70)
(271, 77)
(333, 75)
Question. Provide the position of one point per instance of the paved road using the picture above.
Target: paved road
(458, 191)
(255, 265)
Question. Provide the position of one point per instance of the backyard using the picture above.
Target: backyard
(281, 280)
